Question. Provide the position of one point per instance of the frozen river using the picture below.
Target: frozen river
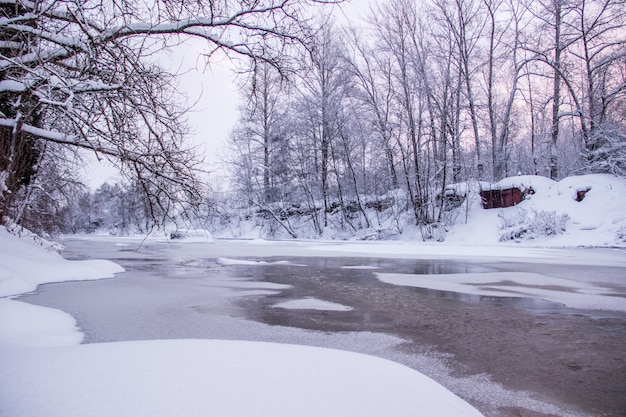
(539, 336)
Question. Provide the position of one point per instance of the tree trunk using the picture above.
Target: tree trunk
(556, 91)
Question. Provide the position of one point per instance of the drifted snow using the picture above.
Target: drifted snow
(598, 220)
(23, 324)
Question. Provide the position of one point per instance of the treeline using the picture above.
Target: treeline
(427, 94)
(112, 209)
(362, 130)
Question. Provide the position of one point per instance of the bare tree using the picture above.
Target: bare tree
(262, 128)
(372, 72)
(466, 22)
(395, 23)
(322, 91)
(602, 49)
(503, 57)
(81, 74)
(586, 35)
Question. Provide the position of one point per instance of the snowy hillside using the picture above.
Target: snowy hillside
(551, 214)
(587, 210)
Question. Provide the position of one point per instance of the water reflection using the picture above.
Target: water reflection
(534, 304)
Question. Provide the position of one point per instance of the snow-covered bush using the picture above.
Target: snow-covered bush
(428, 232)
(607, 150)
(521, 225)
(549, 223)
(513, 218)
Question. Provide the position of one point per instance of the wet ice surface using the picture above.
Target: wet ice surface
(177, 291)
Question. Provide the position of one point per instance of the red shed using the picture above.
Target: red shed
(501, 198)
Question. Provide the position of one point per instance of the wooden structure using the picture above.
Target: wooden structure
(501, 198)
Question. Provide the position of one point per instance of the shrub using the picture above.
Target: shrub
(520, 225)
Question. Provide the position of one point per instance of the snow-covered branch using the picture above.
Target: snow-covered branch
(80, 74)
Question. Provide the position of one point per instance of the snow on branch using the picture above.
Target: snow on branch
(82, 74)
(12, 86)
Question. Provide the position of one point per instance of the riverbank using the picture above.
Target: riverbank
(506, 355)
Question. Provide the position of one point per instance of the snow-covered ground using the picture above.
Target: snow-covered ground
(23, 266)
(214, 378)
(551, 216)
(45, 371)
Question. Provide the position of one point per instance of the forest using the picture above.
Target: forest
(390, 120)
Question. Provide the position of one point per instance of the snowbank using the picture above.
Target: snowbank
(24, 266)
(216, 378)
(24, 324)
(586, 210)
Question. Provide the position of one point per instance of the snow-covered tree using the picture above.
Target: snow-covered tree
(83, 74)
(260, 141)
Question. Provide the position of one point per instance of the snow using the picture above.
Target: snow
(229, 261)
(45, 371)
(23, 266)
(571, 293)
(599, 220)
(24, 324)
(550, 216)
(312, 304)
(256, 288)
(524, 182)
(216, 378)
(359, 267)
(12, 86)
